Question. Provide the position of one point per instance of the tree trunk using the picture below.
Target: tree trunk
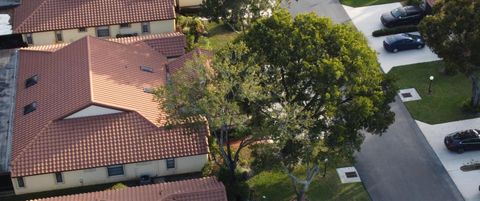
(301, 186)
(475, 101)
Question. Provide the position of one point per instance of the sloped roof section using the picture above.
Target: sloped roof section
(203, 189)
(48, 15)
(89, 72)
(168, 44)
(100, 141)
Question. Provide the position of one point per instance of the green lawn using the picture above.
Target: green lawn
(276, 186)
(219, 35)
(448, 92)
(360, 3)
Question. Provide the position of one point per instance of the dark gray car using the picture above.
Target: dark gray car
(408, 15)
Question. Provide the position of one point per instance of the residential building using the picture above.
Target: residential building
(203, 189)
(44, 22)
(85, 115)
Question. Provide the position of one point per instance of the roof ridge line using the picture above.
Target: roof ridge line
(32, 141)
(90, 74)
(30, 16)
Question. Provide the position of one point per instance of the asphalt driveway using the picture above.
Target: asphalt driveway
(367, 20)
(467, 182)
(401, 166)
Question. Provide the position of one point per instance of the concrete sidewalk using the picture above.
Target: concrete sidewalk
(467, 182)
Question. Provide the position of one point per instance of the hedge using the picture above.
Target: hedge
(395, 30)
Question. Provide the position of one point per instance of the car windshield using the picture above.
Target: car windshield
(398, 12)
(466, 134)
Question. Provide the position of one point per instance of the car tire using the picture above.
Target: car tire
(460, 150)
(419, 46)
(395, 50)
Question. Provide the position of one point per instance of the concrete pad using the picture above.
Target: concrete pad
(343, 177)
(466, 182)
(367, 20)
(412, 91)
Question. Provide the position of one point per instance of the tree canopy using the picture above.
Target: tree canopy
(324, 86)
(453, 33)
(236, 13)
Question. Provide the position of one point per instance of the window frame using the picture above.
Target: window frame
(58, 36)
(31, 81)
(22, 182)
(26, 109)
(102, 28)
(57, 176)
(82, 29)
(115, 166)
(29, 38)
(146, 69)
(125, 25)
(147, 26)
(169, 162)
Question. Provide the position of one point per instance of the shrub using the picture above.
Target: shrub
(414, 2)
(118, 186)
(395, 30)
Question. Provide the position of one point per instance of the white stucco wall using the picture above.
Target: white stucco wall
(93, 110)
(47, 182)
(190, 3)
(71, 35)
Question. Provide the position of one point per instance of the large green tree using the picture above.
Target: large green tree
(324, 87)
(218, 89)
(453, 33)
(236, 13)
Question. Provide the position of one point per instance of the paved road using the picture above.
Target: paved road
(401, 165)
(327, 8)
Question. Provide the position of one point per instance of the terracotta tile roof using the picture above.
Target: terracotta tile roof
(105, 140)
(168, 44)
(178, 63)
(87, 72)
(203, 189)
(47, 15)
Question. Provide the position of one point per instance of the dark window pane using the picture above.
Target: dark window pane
(115, 170)
(29, 108)
(146, 69)
(124, 25)
(59, 177)
(82, 29)
(170, 163)
(58, 36)
(31, 81)
(145, 27)
(20, 182)
(103, 32)
(29, 39)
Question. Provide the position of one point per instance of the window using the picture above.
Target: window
(170, 163)
(59, 177)
(29, 108)
(31, 81)
(146, 27)
(82, 29)
(124, 25)
(148, 90)
(146, 69)
(58, 36)
(115, 170)
(29, 38)
(103, 31)
(20, 182)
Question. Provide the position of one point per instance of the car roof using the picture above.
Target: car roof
(467, 134)
(412, 9)
(397, 37)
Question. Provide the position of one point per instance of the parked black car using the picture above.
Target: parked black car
(407, 15)
(403, 41)
(463, 140)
